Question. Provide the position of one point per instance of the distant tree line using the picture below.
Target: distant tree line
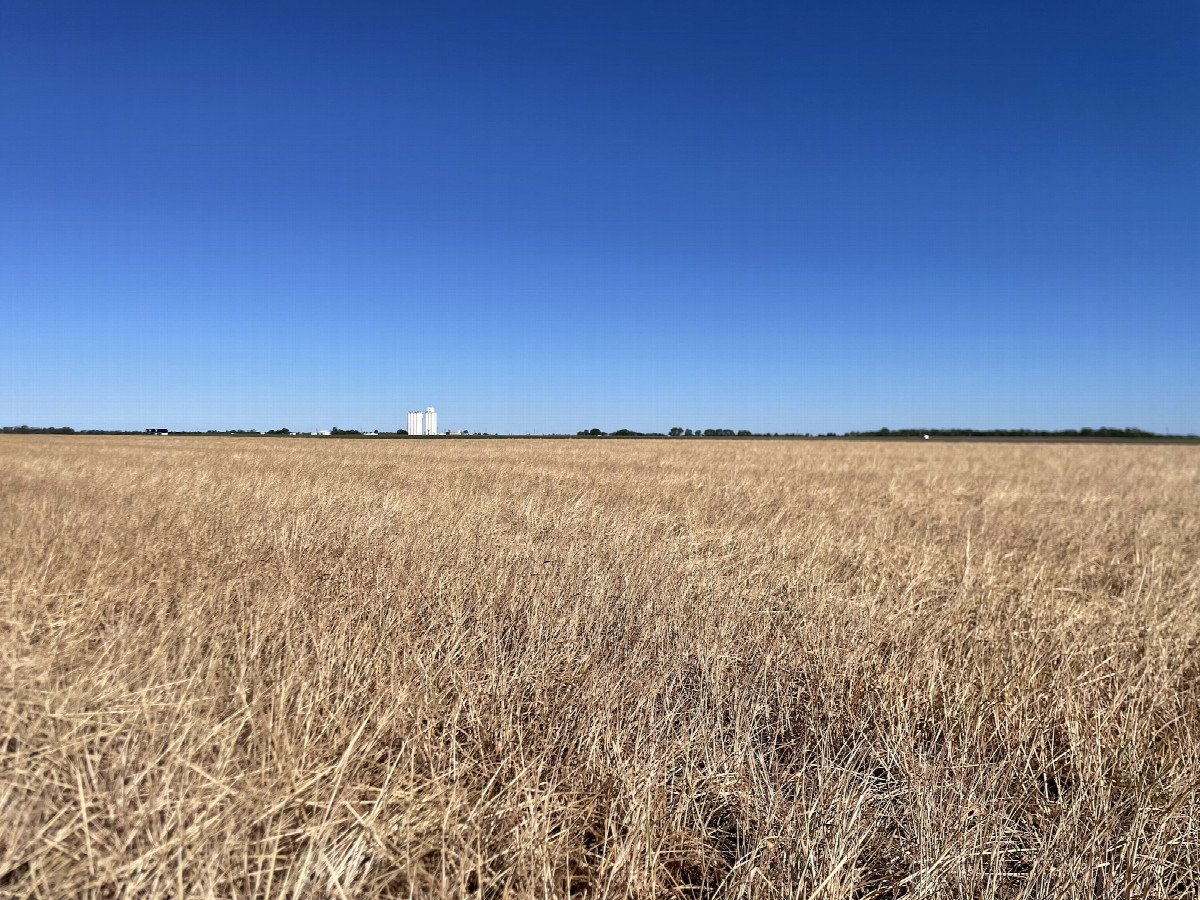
(674, 432)
(243, 432)
(1103, 434)
(1124, 434)
(620, 432)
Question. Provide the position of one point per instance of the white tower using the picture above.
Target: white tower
(431, 421)
(416, 423)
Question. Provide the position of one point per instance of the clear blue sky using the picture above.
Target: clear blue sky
(553, 216)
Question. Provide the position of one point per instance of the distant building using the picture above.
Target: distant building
(422, 422)
(321, 433)
(157, 431)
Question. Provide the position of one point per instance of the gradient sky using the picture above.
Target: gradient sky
(544, 217)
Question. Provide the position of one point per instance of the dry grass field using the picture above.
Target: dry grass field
(241, 668)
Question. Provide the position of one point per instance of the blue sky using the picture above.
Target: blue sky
(544, 217)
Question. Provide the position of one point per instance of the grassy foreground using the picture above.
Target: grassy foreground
(615, 669)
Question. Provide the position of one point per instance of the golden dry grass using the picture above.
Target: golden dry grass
(269, 668)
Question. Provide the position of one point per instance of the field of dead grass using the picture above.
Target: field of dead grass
(298, 668)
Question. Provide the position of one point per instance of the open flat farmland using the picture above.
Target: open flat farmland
(283, 667)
